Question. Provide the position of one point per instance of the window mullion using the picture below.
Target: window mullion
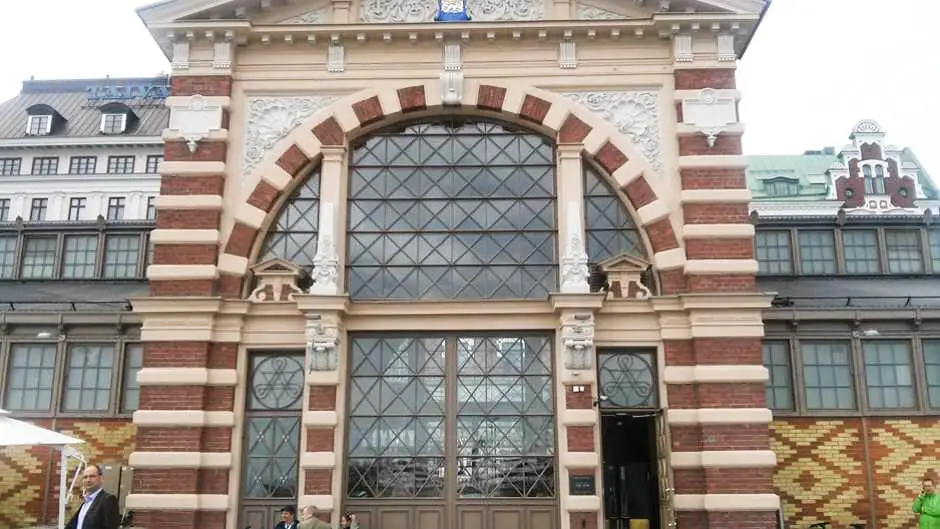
(921, 391)
(859, 374)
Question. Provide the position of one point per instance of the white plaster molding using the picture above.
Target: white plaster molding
(410, 11)
(317, 460)
(317, 15)
(195, 119)
(567, 54)
(683, 48)
(183, 418)
(336, 57)
(589, 12)
(323, 341)
(186, 376)
(452, 74)
(178, 502)
(320, 418)
(574, 262)
(223, 50)
(719, 416)
(181, 51)
(635, 113)
(270, 119)
(577, 334)
(727, 502)
(180, 459)
(724, 459)
(711, 374)
(325, 263)
(710, 113)
(726, 51)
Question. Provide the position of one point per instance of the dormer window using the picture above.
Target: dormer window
(874, 180)
(113, 123)
(116, 118)
(39, 125)
(782, 187)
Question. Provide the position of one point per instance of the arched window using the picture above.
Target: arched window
(455, 209)
(293, 235)
(609, 227)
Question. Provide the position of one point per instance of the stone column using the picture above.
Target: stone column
(719, 423)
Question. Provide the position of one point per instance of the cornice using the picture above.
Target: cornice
(49, 142)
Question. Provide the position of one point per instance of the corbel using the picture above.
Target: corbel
(568, 51)
(336, 55)
(222, 49)
(451, 72)
(181, 49)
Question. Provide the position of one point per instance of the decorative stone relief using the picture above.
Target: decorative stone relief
(271, 119)
(726, 52)
(452, 75)
(574, 262)
(325, 262)
(625, 277)
(181, 49)
(223, 47)
(577, 335)
(323, 340)
(683, 48)
(405, 11)
(319, 15)
(567, 54)
(336, 57)
(710, 113)
(277, 281)
(589, 12)
(632, 112)
(194, 120)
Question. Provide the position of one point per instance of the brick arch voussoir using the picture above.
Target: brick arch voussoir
(349, 117)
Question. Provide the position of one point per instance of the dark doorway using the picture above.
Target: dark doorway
(631, 480)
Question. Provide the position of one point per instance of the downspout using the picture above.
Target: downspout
(869, 473)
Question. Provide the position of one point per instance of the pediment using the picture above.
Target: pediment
(624, 263)
(276, 267)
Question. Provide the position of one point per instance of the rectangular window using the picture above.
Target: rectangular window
(133, 361)
(10, 166)
(889, 374)
(7, 256)
(76, 205)
(780, 385)
(861, 251)
(89, 378)
(153, 163)
(817, 251)
(151, 208)
(120, 164)
(113, 123)
(904, 253)
(4, 209)
(45, 165)
(827, 376)
(773, 252)
(38, 208)
(120, 256)
(39, 258)
(82, 164)
(30, 378)
(115, 208)
(934, 237)
(932, 370)
(78, 260)
(39, 125)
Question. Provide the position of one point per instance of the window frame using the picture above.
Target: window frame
(107, 116)
(44, 131)
(76, 205)
(115, 160)
(39, 161)
(12, 166)
(153, 163)
(858, 372)
(83, 164)
(121, 343)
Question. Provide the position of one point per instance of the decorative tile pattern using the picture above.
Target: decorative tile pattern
(21, 478)
(903, 452)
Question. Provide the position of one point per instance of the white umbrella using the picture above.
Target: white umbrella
(19, 433)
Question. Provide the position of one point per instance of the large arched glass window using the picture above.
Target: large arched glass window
(609, 227)
(293, 235)
(456, 209)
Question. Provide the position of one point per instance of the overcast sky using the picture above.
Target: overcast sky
(815, 68)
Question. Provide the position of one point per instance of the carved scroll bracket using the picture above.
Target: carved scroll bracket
(324, 336)
(452, 74)
(577, 334)
(710, 112)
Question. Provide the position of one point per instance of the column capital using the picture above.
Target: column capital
(333, 153)
(570, 150)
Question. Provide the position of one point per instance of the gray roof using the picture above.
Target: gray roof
(847, 292)
(32, 296)
(79, 102)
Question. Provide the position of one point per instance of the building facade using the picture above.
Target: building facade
(78, 183)
(848, 241)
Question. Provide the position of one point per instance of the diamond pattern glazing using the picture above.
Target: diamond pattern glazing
(452, 210)
(609, 227)
(293, 235)
(628, 379)
(489, 432)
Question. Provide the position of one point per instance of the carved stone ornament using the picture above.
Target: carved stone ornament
(195, 119)
(325, 263)
(574, 262)
(318, 15)
(408, 11)
(577, 335)
(710, 113)
(625, 277)
(271, 119)
(589, 12)
(452, 74)
(277, 281)
(323, 340)
(634, 113)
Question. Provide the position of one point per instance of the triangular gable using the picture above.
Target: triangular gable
(610, 10)
(276, 266)
(624, 263)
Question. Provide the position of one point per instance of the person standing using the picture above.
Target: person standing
(288, 518)
(927, 505)
(308, 520)
(99, 508)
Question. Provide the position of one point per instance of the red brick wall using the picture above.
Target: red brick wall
(29, 477)
(823, 472)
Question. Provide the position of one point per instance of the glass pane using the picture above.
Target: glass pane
(780, 385)
(889, 374)
(861, 251)
(271, 459)
(455, 210)
(79, 259)
(29, 380)
(39, 258)
(89, 377)
(932, 368)
(121, 253)
(133, 362)
(628, 379)
(827, 376)
(293, 236)
(277, 382)
(773, 252)
(609, 228)
(903, 249)
(7, 254)
(817, 252)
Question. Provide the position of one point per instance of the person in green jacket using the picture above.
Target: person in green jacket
(308, 520)
(927, 505)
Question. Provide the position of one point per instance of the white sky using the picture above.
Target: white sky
(815, 68)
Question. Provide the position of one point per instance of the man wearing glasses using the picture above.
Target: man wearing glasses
(99, 508)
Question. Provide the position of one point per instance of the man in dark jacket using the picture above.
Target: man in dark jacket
(288, 518)
(99, 508)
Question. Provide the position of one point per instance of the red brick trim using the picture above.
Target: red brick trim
(194, 254)
(697, 144)
(264, 196)
(717, 395)
(583, 400)
(192, 185)
(722, 283)
(318, 481)
(719, 248)
(718, 78)
(491, 97)
(583, 520)
(611, 157)
(322, 398)
(230, 286)
(182, 287)
(697, 438)
(320, 439)
(207, 85)
(192, 219)
(580, 438)
(573, 130)
(412, 98)
(208, 398)
(713, 179)
(719, 213)
(240, 240)
(713, 351)
(206, 151)
(368, 110)
(184, 439)
(181, 481)
(639, 192)
(724, 480)
(293, 160)
(662, 237)
(534, 108)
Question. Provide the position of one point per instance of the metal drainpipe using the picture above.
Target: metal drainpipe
(869, 473)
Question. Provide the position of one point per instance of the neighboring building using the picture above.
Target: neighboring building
(849, 241)
(78, 182)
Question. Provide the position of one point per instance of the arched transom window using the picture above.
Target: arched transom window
(456, 209)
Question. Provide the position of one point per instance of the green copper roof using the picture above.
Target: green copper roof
(779, 173)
